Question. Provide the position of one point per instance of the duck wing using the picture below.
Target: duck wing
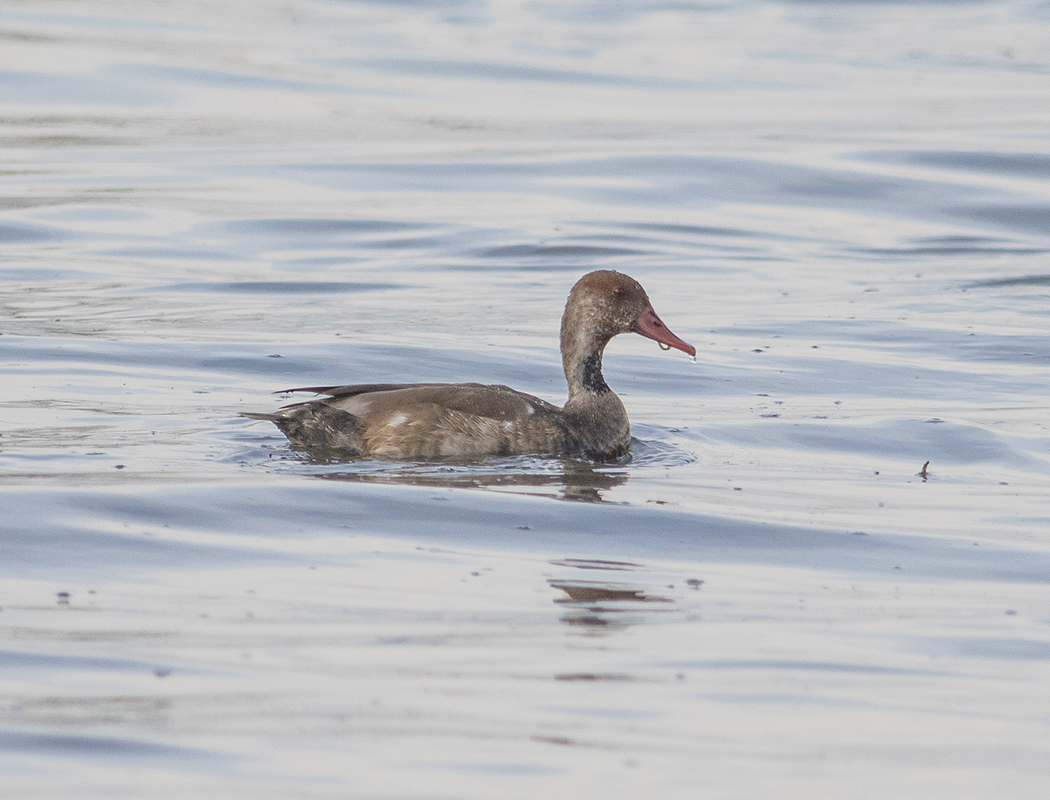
(425, 420)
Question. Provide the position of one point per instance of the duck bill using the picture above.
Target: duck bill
(653, 327)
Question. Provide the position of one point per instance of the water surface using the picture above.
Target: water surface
(844, 206)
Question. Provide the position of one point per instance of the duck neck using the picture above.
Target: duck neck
(584, 376)
(581, 357)
(597, 419)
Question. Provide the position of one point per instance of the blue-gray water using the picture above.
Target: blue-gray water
(844, 206)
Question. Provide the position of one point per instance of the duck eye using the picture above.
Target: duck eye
(618, 292)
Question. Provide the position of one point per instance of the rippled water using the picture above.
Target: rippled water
(844, 206)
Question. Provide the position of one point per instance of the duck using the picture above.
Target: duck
(470, 420)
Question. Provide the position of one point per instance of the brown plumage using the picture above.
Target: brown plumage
(429, 420)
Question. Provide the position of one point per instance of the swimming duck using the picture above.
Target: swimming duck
(432, 420)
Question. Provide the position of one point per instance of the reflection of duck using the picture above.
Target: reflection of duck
(574, 479)
(596, 604)
(469, 419)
